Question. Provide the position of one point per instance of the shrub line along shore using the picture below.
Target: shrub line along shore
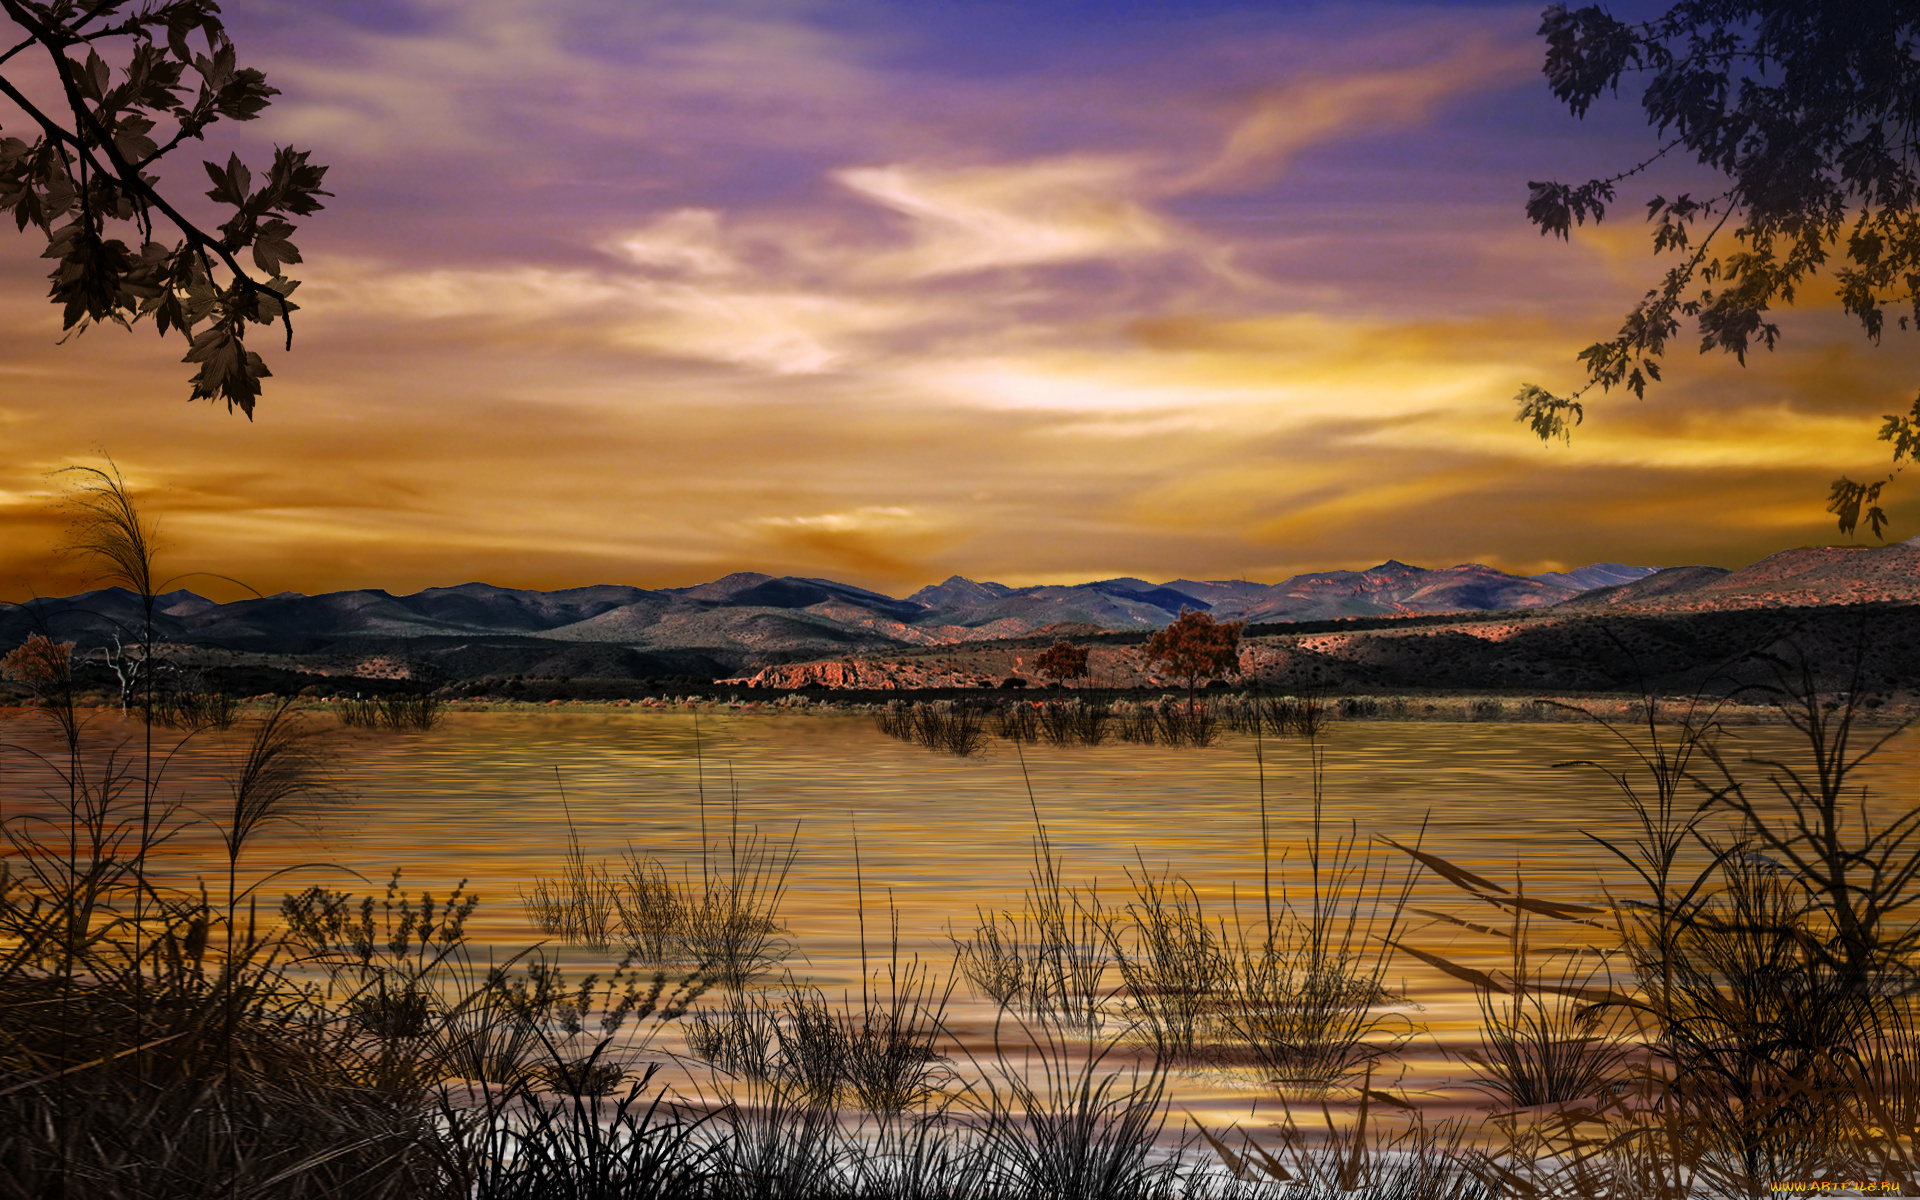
(1438, 707)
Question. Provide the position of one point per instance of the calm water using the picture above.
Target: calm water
(481, 799)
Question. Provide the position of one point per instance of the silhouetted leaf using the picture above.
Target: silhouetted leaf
(1806, 113)
(115, 124)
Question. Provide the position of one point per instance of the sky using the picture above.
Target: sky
(649, 291)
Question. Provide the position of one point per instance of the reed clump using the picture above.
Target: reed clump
(1165, 723)
(949, 728)
(1405, 1160)
(878, 1053)
(1750, 1020)
(1073, 722)
(1308, 980)
(398, 712)
(1017, 721)
(1305, 715)
(1052, 958)
(196, 708)
(726, 923)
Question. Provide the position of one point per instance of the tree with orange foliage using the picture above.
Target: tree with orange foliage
(1197, 647)
(1062, 661)
(39, 662)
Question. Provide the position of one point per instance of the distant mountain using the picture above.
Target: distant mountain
(749, 620)
(1598, 575)
(1808, 577)
(1648, 590)
(1396, 589)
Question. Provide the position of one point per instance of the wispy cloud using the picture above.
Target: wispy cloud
(1011, 215)
(1300, 114)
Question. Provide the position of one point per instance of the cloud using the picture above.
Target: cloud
(1296, 116)
(890, 516)
(687, 240)
(891, 543)
(762, 325)
(1011, 215)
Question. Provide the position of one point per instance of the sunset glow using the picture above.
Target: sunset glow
(648, 292)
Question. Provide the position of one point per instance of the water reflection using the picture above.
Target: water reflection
(481, 799)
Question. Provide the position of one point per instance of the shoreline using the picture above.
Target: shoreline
(1459, 708)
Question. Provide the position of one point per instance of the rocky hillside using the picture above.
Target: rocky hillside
(1815, 575)
(1549, 652)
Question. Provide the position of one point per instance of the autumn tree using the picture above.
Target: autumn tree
(39, 662)
(1062, 661)
(96, 134)
(1197, 647)
(1806, 118)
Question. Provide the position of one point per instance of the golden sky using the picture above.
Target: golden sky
(618, 291)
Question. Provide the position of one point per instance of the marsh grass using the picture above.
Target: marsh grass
(523, 1145)
(648, 908)
(943, 726)
(1073, 722)
(726, 923)
(1053, 956)
(741, 1039)
(1307, 978)
(1305, 715)
(1016, 721)
(879, 1053)
(584, 905)
(155, 1045)
(1751, 1020)
(1164, 723)
(1548, 1039)
(1061, 1117)
(730, 924)
(395, 712)
(1174, 965)
(193, 706)
(890, 1060)
(1407, 1160)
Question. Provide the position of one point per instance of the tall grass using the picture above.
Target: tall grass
(1163, 723)
(1416, 1161)
(1064, 1119)
(580, 906)
(1771, 1026)
(1016, 721)
(1053, 956)
(726, 923)
(1544, 1039)
(1303, 716)
(194, 706)
(1174, 964)
(1309, 977)
(955, 729)
(397, 712)
(155, 1046)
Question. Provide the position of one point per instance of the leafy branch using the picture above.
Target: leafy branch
(1811, 113)
(87, 167)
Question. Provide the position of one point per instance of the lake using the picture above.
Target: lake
(481, 798)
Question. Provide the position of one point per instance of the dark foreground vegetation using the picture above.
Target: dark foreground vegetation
(1738, 1010)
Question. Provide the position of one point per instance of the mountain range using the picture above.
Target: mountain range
(747, 621)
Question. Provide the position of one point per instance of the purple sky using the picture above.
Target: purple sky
(649, 292)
